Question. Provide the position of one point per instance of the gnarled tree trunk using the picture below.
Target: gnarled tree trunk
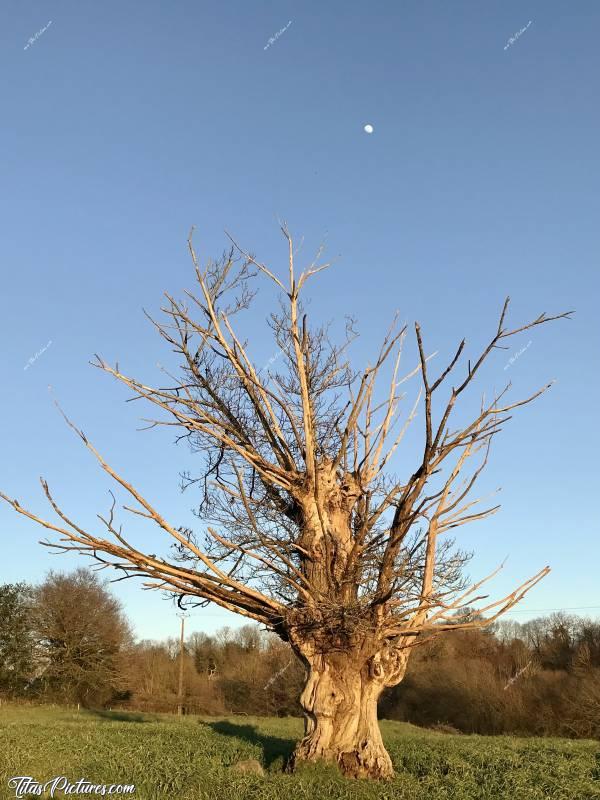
(340, 708)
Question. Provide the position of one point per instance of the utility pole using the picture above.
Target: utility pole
(180, 693)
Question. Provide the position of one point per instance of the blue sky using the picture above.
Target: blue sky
(126, 123)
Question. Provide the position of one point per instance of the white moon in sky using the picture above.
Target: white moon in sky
(368, 129)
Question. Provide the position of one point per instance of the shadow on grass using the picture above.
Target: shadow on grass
(273, 747)
(118, 716)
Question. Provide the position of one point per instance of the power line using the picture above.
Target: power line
(514, 611)
(536, 610)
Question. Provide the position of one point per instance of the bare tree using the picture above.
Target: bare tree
(306, 530)
(82, 638)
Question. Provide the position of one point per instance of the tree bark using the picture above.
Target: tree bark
(340, 709)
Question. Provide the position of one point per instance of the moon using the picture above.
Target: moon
(368, 129)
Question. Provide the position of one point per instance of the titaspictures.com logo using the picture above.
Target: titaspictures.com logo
(25, 786)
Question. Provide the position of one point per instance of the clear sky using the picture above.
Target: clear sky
(126, 123)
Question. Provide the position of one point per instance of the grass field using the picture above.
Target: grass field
(190, 759)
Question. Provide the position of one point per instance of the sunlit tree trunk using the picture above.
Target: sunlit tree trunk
(340, 708)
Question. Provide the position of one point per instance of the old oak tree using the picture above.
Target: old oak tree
(305, 529)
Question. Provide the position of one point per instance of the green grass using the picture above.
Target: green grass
(189, 759)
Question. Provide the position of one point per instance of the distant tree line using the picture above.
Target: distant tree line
(68, 641)
(540, 677)
(65, 640)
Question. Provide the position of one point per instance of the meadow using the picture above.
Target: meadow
(191, 759)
